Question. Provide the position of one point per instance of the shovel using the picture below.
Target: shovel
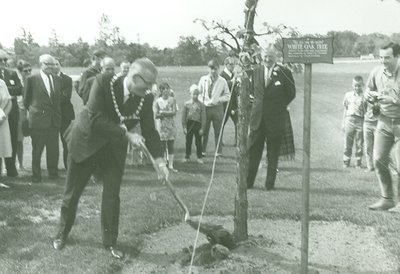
(216, 234)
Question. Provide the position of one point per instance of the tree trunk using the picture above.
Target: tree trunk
(241, 204)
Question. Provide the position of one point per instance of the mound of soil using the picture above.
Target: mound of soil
(273, 247)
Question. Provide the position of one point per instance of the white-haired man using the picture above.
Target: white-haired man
(42, 99)
(100, 136)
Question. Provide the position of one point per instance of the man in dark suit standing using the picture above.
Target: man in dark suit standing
(42, 99)
(67, 110)
(15, 89)
(92, 71)
(273, 90)
(99, 137)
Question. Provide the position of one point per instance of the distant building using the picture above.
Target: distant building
(367, 57)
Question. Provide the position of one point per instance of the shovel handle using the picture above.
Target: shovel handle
(167, 182)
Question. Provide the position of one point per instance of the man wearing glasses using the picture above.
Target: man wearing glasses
(15, 89)
(100, 136)
(42, 100)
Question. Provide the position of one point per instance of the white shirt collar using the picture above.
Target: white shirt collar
(126, 90)
(228, 72)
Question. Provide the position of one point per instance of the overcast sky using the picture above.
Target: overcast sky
(161, 22)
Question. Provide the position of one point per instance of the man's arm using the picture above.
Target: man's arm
(66, 89)
(225, 94)
(16, 88)
(290, 87)
(100, 122)
(184, 117)
(28, 92)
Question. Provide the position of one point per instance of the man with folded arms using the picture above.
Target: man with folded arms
(100, 136)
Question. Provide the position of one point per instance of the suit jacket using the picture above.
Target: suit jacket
(98, 124)
(12, 81)
(67, 110)
(85, 85)
(271, 101)
(44, 111)
(233, 103)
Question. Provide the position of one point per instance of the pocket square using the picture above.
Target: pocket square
(12, 82)
(277, 83)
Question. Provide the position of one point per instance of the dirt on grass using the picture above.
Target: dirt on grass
(273, 247)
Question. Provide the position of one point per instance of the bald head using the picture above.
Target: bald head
(107, 65)
(269, 56)
(142, 75)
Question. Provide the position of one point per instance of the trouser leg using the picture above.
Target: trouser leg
(383, 143)
(349, 135)
(206, 129)
(78, 175)
(52, 150)
(13, 118)
(273, 148)
(256, 141)
(110, 205)
(369, 133)
(189, 138)
(197, 137)
(38, 137)
(217, 125)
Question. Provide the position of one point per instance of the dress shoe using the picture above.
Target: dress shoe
(58, 243)
(382, 204)
(115, 253)
(269, 188)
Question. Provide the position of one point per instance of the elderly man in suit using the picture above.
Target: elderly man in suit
(15, 89)
(67, 110)
(100, 136)
(42, 99)
(273, 90)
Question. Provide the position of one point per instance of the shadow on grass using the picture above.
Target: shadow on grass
(324, 191)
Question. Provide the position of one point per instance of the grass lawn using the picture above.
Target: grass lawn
(29, 214)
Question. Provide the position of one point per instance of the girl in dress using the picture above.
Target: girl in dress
(165, 110)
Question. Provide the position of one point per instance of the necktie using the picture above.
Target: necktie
(210, 88)
(51, 87)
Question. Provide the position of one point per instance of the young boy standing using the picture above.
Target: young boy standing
(353, 118)
(193, 123)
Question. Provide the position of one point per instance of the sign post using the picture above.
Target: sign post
(307, 51)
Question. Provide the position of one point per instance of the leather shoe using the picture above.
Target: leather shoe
(382, 204)
(59, 243)
(115, 253)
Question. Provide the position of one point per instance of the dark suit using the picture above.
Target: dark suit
(96, 139)
(85, 85)
(232, 104)
(44, 121)
(67, 111)
(15, 89)
(267, 119)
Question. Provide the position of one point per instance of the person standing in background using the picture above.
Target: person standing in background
(5, 137)
(24, 70)
(14, 87)
(42, 99)
(67, 110)
(214, 92)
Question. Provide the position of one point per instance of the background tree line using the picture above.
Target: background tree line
(190, 50)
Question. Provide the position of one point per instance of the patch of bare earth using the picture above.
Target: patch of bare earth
(273, 247)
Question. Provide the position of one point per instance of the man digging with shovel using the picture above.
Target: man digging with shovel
(100, 136)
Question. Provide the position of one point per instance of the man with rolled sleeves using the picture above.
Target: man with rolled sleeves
(214, 92)
(383, 87)
(15, 89)
(99, 137)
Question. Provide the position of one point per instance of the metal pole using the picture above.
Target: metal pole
(306, 169)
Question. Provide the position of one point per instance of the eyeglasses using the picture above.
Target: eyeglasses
(27, 70)
(49, 64)
(3, 59)
(148, 84)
